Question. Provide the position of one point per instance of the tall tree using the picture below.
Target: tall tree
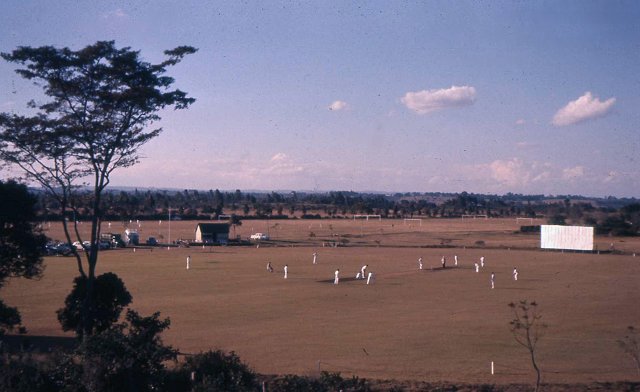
(102, 104)
(21, 243)
(527, 329)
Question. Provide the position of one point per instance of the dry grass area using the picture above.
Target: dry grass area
(433, 325)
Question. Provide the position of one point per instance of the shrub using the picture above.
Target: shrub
(219, 371)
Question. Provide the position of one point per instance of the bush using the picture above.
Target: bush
(23, 374)
(127, 357)
(219, 371)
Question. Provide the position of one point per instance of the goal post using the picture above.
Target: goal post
(366, 217)
(530, 220)
(412, 220)
(476, 216)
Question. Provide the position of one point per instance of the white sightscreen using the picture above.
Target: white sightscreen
(566, 237)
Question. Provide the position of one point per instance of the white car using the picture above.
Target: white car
(82, 245)
(259, 236)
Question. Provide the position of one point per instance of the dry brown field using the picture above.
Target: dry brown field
(432, 325)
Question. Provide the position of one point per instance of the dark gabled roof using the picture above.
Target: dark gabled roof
(213, 228)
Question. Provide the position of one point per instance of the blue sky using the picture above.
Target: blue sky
(484, 97)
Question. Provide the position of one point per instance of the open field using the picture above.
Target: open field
(435, 324)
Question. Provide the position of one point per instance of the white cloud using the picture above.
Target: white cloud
(427, 101)
(338, 105)
(571, 173)
(587, 107)
(279, 157)
(611, 176)
(520, 121)
(281, 164)
(526, 145)
(118, 13)
(510, 172)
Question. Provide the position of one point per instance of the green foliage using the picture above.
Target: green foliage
(21, 243)
(24, 374)
(127, 357)
(557, 219)
(618, 226)
(219, 371)
(108, 298)
(9, 318)
(327, 382)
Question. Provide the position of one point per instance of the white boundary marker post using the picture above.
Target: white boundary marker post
(492, 368)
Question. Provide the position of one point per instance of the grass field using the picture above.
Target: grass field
(435, 324)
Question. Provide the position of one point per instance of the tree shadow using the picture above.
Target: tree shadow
(37, 343)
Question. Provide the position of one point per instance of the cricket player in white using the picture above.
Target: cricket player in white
(286, 270)
(337, 278)
(420, 263)
(363, 271)
(482, 261)
(515, 274)
(188, 262)
(455, 260)
(477, 267)
(315, 255)
(493, 280)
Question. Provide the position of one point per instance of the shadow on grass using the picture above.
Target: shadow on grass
(342, 280)
(37, 343)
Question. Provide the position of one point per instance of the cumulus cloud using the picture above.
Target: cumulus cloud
(281, 164)
(587, 107)
(509, 172)
(338, 105)
(526, 145)
(427, 101)
(118, 13)
(571, 173)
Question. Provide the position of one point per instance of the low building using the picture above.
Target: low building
(212, 233)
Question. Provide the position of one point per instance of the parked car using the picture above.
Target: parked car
(152, 241)
(84, 245)
(259, 236)
(57, 249)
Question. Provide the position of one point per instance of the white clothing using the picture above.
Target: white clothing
(362, 271)
(515, 274)
(493, 280)
(286, 269)
(188, 262)
(336, 279)
(455, 259)
(477, 267)
(314, 257)
(420, 263)
(482, 261)
(370, 277)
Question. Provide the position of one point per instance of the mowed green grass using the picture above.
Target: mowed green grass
(431, 325)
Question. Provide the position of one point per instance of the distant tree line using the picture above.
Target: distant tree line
(607, 215)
